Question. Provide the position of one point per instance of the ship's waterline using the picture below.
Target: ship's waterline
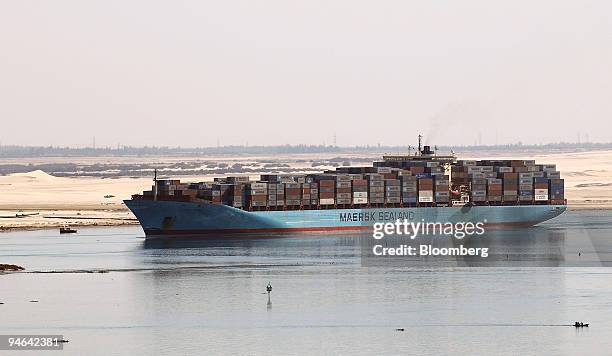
(161, 218)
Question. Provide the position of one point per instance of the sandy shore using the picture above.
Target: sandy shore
(37, 200)
(45, 219)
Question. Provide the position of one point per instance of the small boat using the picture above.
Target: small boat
(67, 230)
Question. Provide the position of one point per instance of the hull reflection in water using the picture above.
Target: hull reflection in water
(521, 247)
(529, 247)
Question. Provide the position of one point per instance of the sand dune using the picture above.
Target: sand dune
(55, 200)
(38, 190)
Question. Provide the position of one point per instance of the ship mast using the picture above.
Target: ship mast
(420, 147)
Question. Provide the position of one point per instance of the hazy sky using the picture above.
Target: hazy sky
(277, 72)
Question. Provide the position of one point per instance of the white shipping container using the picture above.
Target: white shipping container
(259, 185)
(258, 192)
(360, 194)
(383, 169)
(426, 193)
(326, 201)
(425, 199)
(541, 197)
(360, 200)
(540, 191)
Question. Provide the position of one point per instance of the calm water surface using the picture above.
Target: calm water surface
(208, 297)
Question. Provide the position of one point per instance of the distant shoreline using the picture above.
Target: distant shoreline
(138, 167)
(17, 151)
(54, 217)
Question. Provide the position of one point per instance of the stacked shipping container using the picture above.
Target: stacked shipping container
(442, 185)
(409, 189)
(360, 191)
(425, 186)
(409, 183)
(376, 188)
(392, 191)
(257, 194)
(327, 192)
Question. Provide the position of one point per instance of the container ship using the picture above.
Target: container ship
(421, 187)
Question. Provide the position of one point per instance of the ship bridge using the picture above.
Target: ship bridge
(424, 153)
(443, 159)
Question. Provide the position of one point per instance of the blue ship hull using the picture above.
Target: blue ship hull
(171, 218)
